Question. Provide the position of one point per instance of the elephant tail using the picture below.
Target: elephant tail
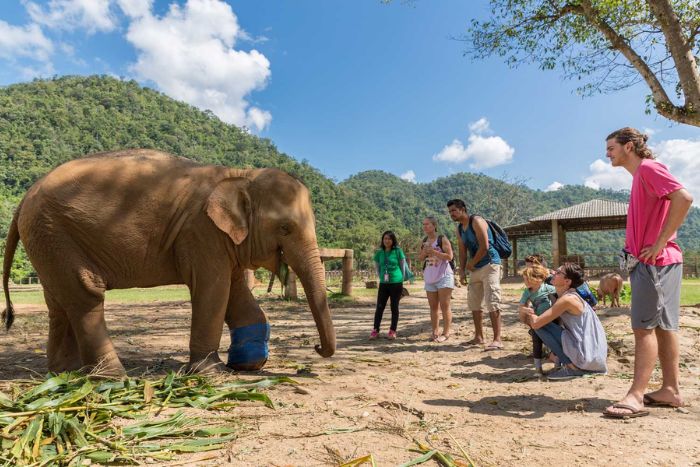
(8, 314)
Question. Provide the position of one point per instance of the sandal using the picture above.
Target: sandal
(441, 338)
(633, 413)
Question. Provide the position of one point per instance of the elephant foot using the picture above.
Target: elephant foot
(211, 364)
(249, 349)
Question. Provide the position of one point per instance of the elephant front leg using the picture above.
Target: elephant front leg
(248, 326)
(209, 302)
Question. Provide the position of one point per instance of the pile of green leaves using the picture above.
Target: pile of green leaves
(70, 418)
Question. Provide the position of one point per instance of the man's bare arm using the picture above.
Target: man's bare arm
(681, 201)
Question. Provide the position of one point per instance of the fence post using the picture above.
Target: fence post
(347, 273)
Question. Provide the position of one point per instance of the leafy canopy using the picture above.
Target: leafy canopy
(606, 45)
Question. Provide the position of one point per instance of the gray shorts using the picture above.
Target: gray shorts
(656, 296)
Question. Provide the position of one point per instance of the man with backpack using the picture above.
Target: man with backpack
(476, 236)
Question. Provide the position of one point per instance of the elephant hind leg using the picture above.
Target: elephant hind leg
(62, 351)
(82, 303)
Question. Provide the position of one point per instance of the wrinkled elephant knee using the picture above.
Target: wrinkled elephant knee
(248, 350)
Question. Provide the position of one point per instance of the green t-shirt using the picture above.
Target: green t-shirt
(540, 299)
(390, 263)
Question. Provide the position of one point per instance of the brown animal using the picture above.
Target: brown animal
(610, 284)
(142, 218)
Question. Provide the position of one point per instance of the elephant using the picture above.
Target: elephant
(145, 218)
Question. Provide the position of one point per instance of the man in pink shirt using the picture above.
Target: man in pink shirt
(658, 206)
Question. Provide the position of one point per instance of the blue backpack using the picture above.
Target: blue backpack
(585, 293)
(500, 238)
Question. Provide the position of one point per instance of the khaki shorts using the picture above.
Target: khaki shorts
(484, 291)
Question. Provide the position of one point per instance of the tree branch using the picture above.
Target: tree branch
(661, 100)
(678, 46)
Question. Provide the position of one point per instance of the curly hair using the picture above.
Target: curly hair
(636, 137)
(536, 272)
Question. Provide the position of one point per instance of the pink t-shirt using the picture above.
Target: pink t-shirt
(648, 210)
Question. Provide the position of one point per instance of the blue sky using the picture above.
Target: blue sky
(347, 85)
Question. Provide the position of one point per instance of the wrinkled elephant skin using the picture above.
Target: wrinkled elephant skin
(143, 218)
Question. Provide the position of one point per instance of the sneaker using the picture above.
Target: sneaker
(565, 373)
(374, 334)
(392, 335)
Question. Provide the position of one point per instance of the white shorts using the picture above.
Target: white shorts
(447, 282)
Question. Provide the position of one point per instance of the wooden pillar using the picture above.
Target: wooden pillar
(347, 273)
(514, 244)
(290, 290)
(562, 241)
(555, 244)
(249, 277)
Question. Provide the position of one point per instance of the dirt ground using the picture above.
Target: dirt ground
(376, 397)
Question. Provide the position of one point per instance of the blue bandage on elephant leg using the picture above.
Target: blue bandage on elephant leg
(249, 344)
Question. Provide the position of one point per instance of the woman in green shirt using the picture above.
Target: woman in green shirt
(390, 263)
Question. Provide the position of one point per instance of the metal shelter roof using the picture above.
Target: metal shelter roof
(597, 214)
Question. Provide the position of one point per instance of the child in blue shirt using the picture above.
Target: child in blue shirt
(541, 297)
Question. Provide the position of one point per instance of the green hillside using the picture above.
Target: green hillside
(47, 122)
(507, 202)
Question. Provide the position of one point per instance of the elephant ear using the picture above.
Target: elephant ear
(229, 207)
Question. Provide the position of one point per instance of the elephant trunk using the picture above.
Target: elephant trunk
(306, 263)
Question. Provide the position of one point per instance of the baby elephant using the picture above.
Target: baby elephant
(610, 284)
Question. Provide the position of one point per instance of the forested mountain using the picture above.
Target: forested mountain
(47, 122)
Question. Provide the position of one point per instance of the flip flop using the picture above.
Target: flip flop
(651, 402)
(441, 338)
(634, 413)
(471, 343)
(493, 347)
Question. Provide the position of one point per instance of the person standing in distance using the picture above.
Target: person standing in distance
(484, 265)
(658, 205)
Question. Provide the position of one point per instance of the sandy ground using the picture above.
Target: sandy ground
(376, 397)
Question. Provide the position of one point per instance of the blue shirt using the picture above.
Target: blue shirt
(540, 298)
(470, 241)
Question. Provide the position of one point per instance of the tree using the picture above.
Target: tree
(611, 44)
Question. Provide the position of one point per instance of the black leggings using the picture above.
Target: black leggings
(537, 345)
(387, 291)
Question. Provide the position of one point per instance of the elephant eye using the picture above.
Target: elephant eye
(285, 230)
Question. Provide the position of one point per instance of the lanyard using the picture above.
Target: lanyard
(386, 262)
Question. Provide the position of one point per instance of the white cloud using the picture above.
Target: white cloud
(604, 175)
(135, 8)
(480, 126)
(554, 186)
(24, 42)
(682, 157)
(484, 152)
(91, 15)
(679, 155)
(409, 176)
(649, 132)
(189, 54)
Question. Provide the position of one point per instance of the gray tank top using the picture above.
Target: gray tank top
(583, 339)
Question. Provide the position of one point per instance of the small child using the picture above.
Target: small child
(541, 296)
(584, 291)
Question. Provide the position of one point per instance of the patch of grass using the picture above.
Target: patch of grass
(70, 418)
(690, 292)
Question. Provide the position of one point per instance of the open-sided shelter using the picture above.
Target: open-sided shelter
(597, 214)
